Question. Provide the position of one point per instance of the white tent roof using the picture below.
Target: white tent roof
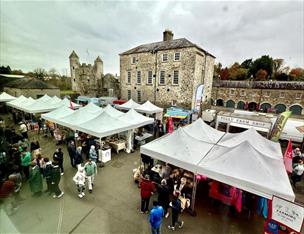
(112, 111)
(57, 114)
(17, 101)
(66, 102)
(103, 125)
(5, 97)
(128, 105)
(202, 131)
(246, 168)
(25, 104)
(55, 100)
(91, 107)
(79, 116)
(148, 108)
(178, 148)
(260, 143)
(234, 159)
(135, 119)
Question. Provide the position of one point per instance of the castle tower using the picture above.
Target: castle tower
(98, 63)
(74, 64)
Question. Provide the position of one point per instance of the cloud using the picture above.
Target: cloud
(43, 34)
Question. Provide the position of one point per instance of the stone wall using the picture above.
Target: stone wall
(287, 97)
(34, 93)
(190, 75)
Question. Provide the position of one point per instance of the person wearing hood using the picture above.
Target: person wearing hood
(35, 179)
(79, 179)
(93, 154)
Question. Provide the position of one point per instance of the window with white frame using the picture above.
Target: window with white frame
(232, 92)
(111, 93)
(162, 78)
(165, 57)
(175, 77)
(133, 60)
(129, 94)
(129, 77)
(298, 95)
(282, 95)
(177, 56)
(138, 77)
(138, 96)
(243, 93)
(150, 77)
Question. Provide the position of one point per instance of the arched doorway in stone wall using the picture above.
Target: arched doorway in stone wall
(252, 106)
(265, 106)
(240, 105)
(220, 102)
(280, 108)
(230, 104)
(296, 109)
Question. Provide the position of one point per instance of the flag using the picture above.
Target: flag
(279, 125)
(288, 157)
(71, 105)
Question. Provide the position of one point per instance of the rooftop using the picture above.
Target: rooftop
(164, 45)
(29, 83)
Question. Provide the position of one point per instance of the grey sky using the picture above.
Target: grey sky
(43, 34)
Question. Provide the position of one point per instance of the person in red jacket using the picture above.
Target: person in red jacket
(146, 190)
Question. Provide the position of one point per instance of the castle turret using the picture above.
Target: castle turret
(74, 64)
(99, 67)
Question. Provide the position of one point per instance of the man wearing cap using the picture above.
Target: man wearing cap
(90, 169)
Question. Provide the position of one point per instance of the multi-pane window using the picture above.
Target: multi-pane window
(133, 60)
(111, 92)
(282, 95)
(165, 57)
(267, 94)
(138, 96)
(177, 56)
(129, 77)
(138, 77)
(129, 94)
(243, 93)
(150, 75)
(175, 77)
(232, 92)
(162, 78)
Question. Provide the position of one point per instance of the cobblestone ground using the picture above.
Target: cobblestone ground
(113, 207)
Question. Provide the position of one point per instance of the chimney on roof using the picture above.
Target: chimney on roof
(167, 35)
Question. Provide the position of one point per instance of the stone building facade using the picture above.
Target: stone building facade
(166, 73)
(273, 96)
(30, 87)
(85, 78)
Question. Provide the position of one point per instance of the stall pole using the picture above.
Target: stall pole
(130, 141)
(192, 212)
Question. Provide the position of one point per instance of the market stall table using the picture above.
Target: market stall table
(118, 145)
(141, 138)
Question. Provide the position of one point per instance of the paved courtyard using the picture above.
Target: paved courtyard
(113, 207)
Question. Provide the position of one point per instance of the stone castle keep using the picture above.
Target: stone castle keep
(86, 78)
(167, 72)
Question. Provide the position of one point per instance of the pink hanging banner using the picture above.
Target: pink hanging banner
(288, 157)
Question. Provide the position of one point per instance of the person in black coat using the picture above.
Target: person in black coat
(58, 157)
(163, 196)
(55, 179)
(72, 152)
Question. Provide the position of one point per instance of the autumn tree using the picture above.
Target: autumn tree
(224, 73)
(261, 75)
(297, 74)
(237, 72)
(263, 63)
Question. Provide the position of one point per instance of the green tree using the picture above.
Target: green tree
(39, 73)
(264, 63)
(5, 70)
(247, 64)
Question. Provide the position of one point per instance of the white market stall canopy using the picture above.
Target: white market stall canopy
(5, 97)
(149, 108)
(128, 105)
(17, 101)
(234, 159)
(57, 114)
(106, 124)
(79, 116)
